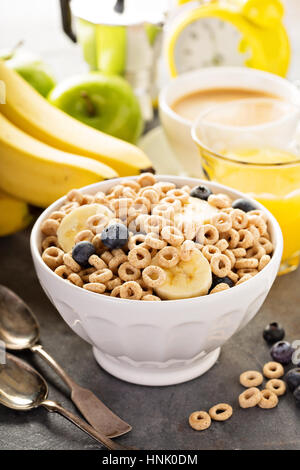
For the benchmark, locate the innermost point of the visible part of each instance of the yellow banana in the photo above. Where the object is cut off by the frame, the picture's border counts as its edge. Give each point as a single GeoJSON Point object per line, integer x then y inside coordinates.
{"type": "Point", "coordinates": [29, 111]}
{"type": "Point", "coordinates": [39, 174]}
{"type": "Point", "coordinates": [14, 214]}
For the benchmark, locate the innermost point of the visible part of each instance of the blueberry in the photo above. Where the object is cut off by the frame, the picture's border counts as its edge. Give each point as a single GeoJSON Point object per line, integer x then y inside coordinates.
{"type": "Point", "coordinates": [201, 192]}
{"type": "Point", "coordinates": [82, 251]}
{"type": "Point", "coordinates": [218, 280]}
{"type": "Point", "coordinates": [282, 352]}
{"type": "Point", "coordinates": [273, 333]}
{"type": "Point", "coordinates": [244, 204]}
{"type": "Point", "coordinates": [297, 395]}
{"type": "Point", "coordinates": [115, 236]}
{"type": "Point", "coordinates": [292, 378]}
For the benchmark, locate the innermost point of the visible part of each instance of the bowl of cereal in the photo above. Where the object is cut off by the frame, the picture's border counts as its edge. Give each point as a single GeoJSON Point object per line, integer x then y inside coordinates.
{"type": "Point", "coordinates": [156, 272]}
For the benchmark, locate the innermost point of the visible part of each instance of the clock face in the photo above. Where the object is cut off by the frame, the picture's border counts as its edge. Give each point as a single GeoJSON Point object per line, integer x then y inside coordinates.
{"type": "Point", "coordinates": [209, 42]}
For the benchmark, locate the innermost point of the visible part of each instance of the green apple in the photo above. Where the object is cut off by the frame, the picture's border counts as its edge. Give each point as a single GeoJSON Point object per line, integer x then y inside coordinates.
{"type": "Point", "coordinates": [31, 68]}
{"type": "Point", "coordinates": [105, 102]}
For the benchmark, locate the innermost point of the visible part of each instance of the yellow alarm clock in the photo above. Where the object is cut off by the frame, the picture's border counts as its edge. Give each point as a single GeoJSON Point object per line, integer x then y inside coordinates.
{"type": "Point", "coordinates": [228, 32]}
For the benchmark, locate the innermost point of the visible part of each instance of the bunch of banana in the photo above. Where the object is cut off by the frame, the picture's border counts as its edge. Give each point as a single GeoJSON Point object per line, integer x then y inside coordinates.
{"type": "Point", "coordinates": [14, 214]}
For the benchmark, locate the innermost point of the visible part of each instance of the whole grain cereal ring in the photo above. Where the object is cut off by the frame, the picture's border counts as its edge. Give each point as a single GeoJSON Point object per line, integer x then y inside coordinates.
{"type": "Point", "coordinates": [151, 194]}
{"type": "Point", "coordinates": [97, 242]}
{"type": "Point", "coordinates": [264, 260]}
{"type": "Point", "coordinates": [268, 400]}
{"type": "Point", "coordinates": [239, 219]}
{"type": "Point", "coordinates": [150, 297]}
{"type": "Point", "coordinates": [210, 250]}
{"type": "Point", "coordinates": [220, 265]}
{"type": "Point", "coordinates": [220, 412]}
{"type": "Point", "coordinates": [101, 275]}
{"type": "Point", "coordinates": [136, 240]}
{"type": "Point", "coordinates": [222, 245]}
{"type": "Point", "coordinates": [255, 233]}
{"type": "Point", "coordinates": [250, 397]}
{"type": "Point", "coordinates": [53, 257]}
{"type": "Point", "coordinates": [220, 201]}
{"type": "Point", "coordinates": [187, 250]}
{"type": "Point", "coordinates": [246, 239]}
{"type": "Point", "coordinates": [222, 222]}
{"type": "Point", "coordinates": [153, 240]}
{"type": "Point", "coordinates": [172, 201]}
{"type": "Point", "coordinates": [116, 292]}
{"type": "Point", "coordinates": [127, 272]}
{"type": "Point", "coordinates": [139, 257]}
{"type": "Point", "coordinates": [257, 251]}
{"type": "Point", "coordinates": [131, 184]}
{"type": "Point", "coordinates": [146, 289]}
{"type": "Point", "coordinates": [273, 370]}
{"type": "Point", "coordinates": [96, 223]}
{"type": "Point", "coordinates": [114, 282]}
{"type": "Point", "coordinates": [232, 237]}
{"type": "Point", "coordinates": [164, 210]}
{"type": "Point", "coordinates": [71, 263]}
{"type": "Point", "coordinates": [74, 196]}
{"type": "Point", "coordinates": [69, 207]}
{"type": "Point", "coordinates": [153, 276]}
{"type": "Point", "coordinates": [97, 262]}
{"type": "Point", "coordinates": [75, 279]}
{"type": "Point", "coordinates": [182, 196]}
{"type": "Point", "coordinates": [130, 193]}
{"type": "Point", "coordinates": [231, 256]}
{"type": "Point", "coordinates": [258, 222]}
{"type": "Point", "coordinates": [219, 288]}
{"type": "Point", "coordinates": [199, 420]}
{"type": "Point", "coordinates": [188, 228]}
{"type": "Point", "coordinates": [259, 213]}
{"type": "Point", "coordinates": [87, 199]}
{"type": "Point", "coordinates": [131, 290]}
{"type": "Point", "coordinates": [164, 186]}
{"type": "Point", "coordinates": [140, 205]}
{"type": "Point", "coordinates": [168, 257]}
{"type": "Point", "coordinates": [106, 256]}
{"type": "Point", "coordinates": [266, 244]}
{"type": "Point", "coordinates": [96, 287]}
{"type": "Point", "coordinates": [85, 274]}
{"type": "Point", "coordinates": [207, 234]}
{"type": "Point", "coordinates": [172, 235]}
{"type": "Point", "coordinates": [276, 386]}
{"type": "Point", "coordinates": [146, 179]}
{"type": "Point", "coordinates": [63, 271]}
{"type": "Point", "coordinates": [244, 278]}
{"type": "Point", "coordinates": [51, 240]}
{"type": "Point", "coordinates": [84, 235]}
{"type": "Point", "coordinates": [242, 263]}
{"type": "Point", "coordinates": [57, 215]}
{"type": "Point", "coordinates": [117, 260]}
{"type": "Point", "coordinates": [50, 226]}
{"type": "Point", "coordinates": [233, 276]}
{"type": "Point", "coordinates": [242, 272]}
{"type": "Point", "coordinates": [100, 197]}
{"type": "Point", "coordinates": [251, 378]}
{"type": "Point", "coordinates": [121, 206]}
{"type": "Point", "coordinates": [239, 252]}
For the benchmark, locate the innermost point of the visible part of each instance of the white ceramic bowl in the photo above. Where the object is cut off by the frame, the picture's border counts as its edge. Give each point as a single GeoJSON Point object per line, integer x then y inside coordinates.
{"type": "Point", "coordinates": [156, 343]}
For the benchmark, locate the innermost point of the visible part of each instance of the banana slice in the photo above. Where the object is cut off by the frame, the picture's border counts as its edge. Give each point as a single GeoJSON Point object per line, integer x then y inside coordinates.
{"type": "Point", "coordinates": [187, 279]}
{"type": "Point", "coordinates": [197, 210]}
{"type": "Point", "coordinates": [77, 221]}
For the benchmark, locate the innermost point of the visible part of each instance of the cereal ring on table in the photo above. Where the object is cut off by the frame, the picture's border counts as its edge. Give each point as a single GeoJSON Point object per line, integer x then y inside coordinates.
{"type": "Point", "coordinates": [268, 399]}
{"type": "Point", "coordinates": [131, 290]}
{"type": "Point", "coordinates": [182, 196]}
{"type": "Point", "coordinates": [168, 257]}
{"type": "Point", "coordinates": [276, 386]}
{"type": "Point", "coordinates": [222, 245]}
{"type": "Point", "coordinates": [139, 257]}
{"type": "Point", "coordinates": [244, 278]}
{"type": "Point", "coordinates": [222, 222]}
{"type": "Point", "coordinates": [251, 378]}
{"type": "Point", "coordinates": [85, 274]}
{"type": "Point", "coordinates": [75, 279]}
{"type": "Point", "coordinates": [220, 412]}
{"type": "Point", "coordinates": [101, 275]}
{"type": "Point", "coordinates": [50, 227]}
{"type": "Point", "coordinates": [244, 271]}
{"type": "Point", "coordinates": [136, 240]}
{"type": "Point", "coordinates": [87, 199]}
{"type": "Point", "coordinates": [232, 237]}
{"type": "Point", "coordinates": [97, 262]}
{"type": "Point", "coordinates": [219, 288]}
{"type": "Point", "coordinates": [74, 196]}
{"type": "Point", "coordinates": [150, 297]}
{"type": "Point", "coordinates": [96, 287]}
{"type": "Point", "coordinates": [199, 420]}
{"type": "Point", "coordinates": [172, 201]}
{"type": "Point", "coordinates": [51, 240]}
{"type": "Point", "coordinates": [127, 272]}
{"type": "Point", "coordinates": [96, 223]}
{"type": "Point", "coordinates": [187, 250]}
{"type": "Point", "coordinates": [273, 370]}
{"type": "Point", "coordinates": [239, 252]}
{"type": "Point", "coordinates": [116, 292]}
{"type": "Point", "coordinates": [151, 194]}
{"type": "Point", "coordinates": [246, 239]}
{"type": "Point", "coordinates": [258, 222]}
{"type": "Point", "coordinates": [207, 234]}
{"type": "Point", "coordinates": [264, 260]}
{"type": "Point", "coordinates": [257, 251]}
{"type": "Point", "coordinates": [106, 256]}
{"type": "Point", "coordinates": [233, 276]}
{"type": "Point", "coordinates": [250, 397]}
{"type": "Point", "coordinates": [71, 263]}
{"type": "Point", "coordinates": [117, 260]}
{"type": "Point", "coordinates": [239, 219]}
{"type": "Point", "coordinates": [164, 210]}
{"type": "Point", "coordinates": [84, 236]}
{"type": "Point", "coordinates": [242, 263]}
{"type": "Point", "coordinates": [220, 265]}
{"type": "Point", "coordinates": [131, 184]}
{"type": "Point", "coordinates": [114, 282]}
{"type": "Point", "coordinates": [172, 235]}
{"type": "Point", "coordinates": [53, 257]}
{"type": "Point", "coordinates": [69, 207]}
{"type": "Point", "coordinates": [154, 276]}
{"type": "Point", "coordinates": [146, 179]}
{"type": "Point", "coordinates": [210, 250]}
{"type": "Point", "coordinates": [164, 186]}
{"type": "Point", "coordinates": [154, 241]}
{"type": "Point", "coordinates": [267, 245]}
{"type": "Point", "coordinates": [231, 256]}
{"type": "Point", "coordinates": [220, 201]}
{"type": "Point", "coordinates": [63, 271]}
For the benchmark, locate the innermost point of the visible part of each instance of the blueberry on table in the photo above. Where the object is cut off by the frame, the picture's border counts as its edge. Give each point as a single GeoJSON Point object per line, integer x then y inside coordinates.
{"type": "Point", "coordinates": [82, 251]}
{"type": "Point", "coordinates": [244, 205]}
{"type": "Point", "coordinates": [297, 395]}
{"type": "Point", "coordinates": [292, 378]}
{"type": "Point", "coordinates": [282, 352]}
{"type": "Point", "coordinates": [273, 333]}
{"type": "Point", "coordinates": [201, 192]}
{"type": "Point", "coordinates": [219, 280]}
{"type": "Point", "coordinates": [115, 236]}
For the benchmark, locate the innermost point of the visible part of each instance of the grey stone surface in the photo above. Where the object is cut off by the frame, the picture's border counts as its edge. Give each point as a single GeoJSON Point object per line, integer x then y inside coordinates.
{"type": "Point", "coordinates": [158, 415]}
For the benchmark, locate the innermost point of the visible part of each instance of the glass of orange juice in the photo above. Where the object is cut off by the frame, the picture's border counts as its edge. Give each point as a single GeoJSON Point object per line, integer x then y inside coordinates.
{"type": "Point", "coordinates": [256, 153]}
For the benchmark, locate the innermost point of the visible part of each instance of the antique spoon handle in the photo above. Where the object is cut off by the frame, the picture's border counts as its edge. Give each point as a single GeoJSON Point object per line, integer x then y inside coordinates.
{"type": "Point", "coordinates": [94, 411]}
{"type": "Point", "coordinates": [98, 436]}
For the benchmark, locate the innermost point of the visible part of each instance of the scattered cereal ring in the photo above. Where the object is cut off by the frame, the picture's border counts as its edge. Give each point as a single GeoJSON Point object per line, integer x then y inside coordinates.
{"type": "Point", "coordinates": [75, 279]}
{"type": "Point", "coordinates": [84, 235]}
{"type": "Point", "coordinates": [95, 287]}
{"type": "Point", "coordinates": [131, 290]}
{"type": "Point", "coordinates": [150, 194]}
{"type": "Point", "coordinates": [219, 288]}
{"type": "Point", "coordinates": [232, 237]}
{"type": "Point", "coordinates": [71, 263]}
{"type": "Point", "coordinates": [257, 251]}
{"type": "Point", "coordinates": [207, 234]}
{"type": "Point", "coordinates": [106, 256]}
{"type": "Point", "coordinates": [258, 222]}
{"type": "Point", "coordinates": [127, 272]}
{"type": "Point", "coordinates": [182, 196]}
{"type": "Point", "coordinates": [266, 244]}
{"type": "Point", "coordinates": [63, 271]}
{"type": "Point", "coordinates": [164, 210]}
{"type": "Point", "coordinates": [273, 370]}
{"type": "Point", "coordinates": [139, 257]}
{"type": "Point", "coordinates": [220, 201]}
{"type": "Point", "coordinates": [146, 179]}
{"type": "Point", "coordinates": [276, 386]}
{"type": "Point", "coordinates": [220, 265]}
{"type": "Point", "coordinates": [85, 274]}
{"type": "Point", "coordinates": [53, 257]}
{"type": "Point", "coordinates": [97, 262]}
{"type": "Point", "coordinates": [117, 260]}
{"type": "Point", "coordinates": [101, 275]}
{"type": "Point", "coordinates": [210, 250]}
{"type": "Point", "coordinates": [222, 222]}
{"type": "Point", "coordinates": [74, 196]}
{"type": "Point", "coordinates": [250, 397]}
{"type": "Point", "coordinates": [69, 207]}
{"type": "Point", "coordinates": [239, 252]}
{"type": "Point", "coordinates": [164, 186]}
{"type": "Point", "coordinates": [173, 201]}
{"type": "Point", "coordinates": [153, 276]}
{"type": "Point", "coordinates": [222, 245]}
{"type": "Point", "coordinates": [168, 257]}
{"type": "Point", "coordinates": [96, 223]}
{"type": "Point", "coordinates": [114, 282]}
{"type": "Point", "coordinates": [153, 240]}
{"type": "Point", "coordinates": [264, 260]}
{"type": "Point", "coordinates": [50, 226]}
{"type": "Point", "coordinates": [136, 240]}
{"type": "Point", "coordinates": [220, 412]}
{"type": "Point", "coordinates": [246, 263]}
{"type": "Point", "coordinates": [268, 399]}
{"type": "Point", "coordinates": [246, 239]}
{"type": "Point", "coordinates": [239, 219]}
{"type": "Point", "coordinates": [172, 235]}
{"type": "Point", "coordinates": [51, 240]}
{"type": "Point", "coordinates": [87, 199]}
{"type": "Point", "coordinates": [199, 420]}
{"type": "Point", "coordinates": [251, 378]}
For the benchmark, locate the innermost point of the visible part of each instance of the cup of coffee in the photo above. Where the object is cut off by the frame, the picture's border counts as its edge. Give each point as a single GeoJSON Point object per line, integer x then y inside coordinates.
{"type": "Point", "coordinates": [190, 94]}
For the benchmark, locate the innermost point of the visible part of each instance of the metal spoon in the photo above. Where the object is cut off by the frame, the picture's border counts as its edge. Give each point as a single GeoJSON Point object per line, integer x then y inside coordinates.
{"type": "Point", "coordinates": [23, 388]}
{"type": "Point", "coordinates": [19, 329]}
